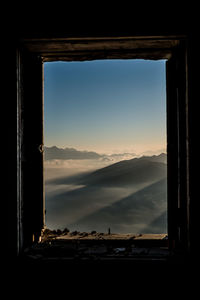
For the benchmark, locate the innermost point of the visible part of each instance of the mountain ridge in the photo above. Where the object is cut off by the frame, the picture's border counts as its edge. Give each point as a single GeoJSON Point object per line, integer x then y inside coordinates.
{"type": "Point", "coordinates": [55, 152]}
{"type": "Point", "coordinates": [127, 196]}
{"type": "Point", "coordinates": [126, 172]}
{"type": "Point", "coordinates": [68, 153]}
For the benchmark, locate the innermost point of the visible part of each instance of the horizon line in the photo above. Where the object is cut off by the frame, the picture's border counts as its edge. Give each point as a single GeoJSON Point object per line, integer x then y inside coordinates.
{"type": "Point", "coordinates": [113, 152]}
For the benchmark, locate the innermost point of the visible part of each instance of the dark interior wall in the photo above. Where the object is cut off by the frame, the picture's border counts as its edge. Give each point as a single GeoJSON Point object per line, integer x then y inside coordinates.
{"type": "Point", "coordinates": [11, 165]}
{"type": "Point", "coordinates": [50, 28]}
{"type": "Point", "coordinates": [193, 140]}
{"type": "Point", "coordinates": [103, 20]}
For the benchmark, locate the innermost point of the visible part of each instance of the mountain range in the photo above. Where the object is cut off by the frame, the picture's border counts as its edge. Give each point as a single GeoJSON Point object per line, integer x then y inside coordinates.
{"type": "Point", "coordinates": [128, 196]}
{"type": "Point", "coordinates": [71, 153]}
{"type": "Point", "coordinates": [134, 171]}
{"type": "Point", "coordinates": [68, 153]}
{"type": "Point", "coordinates": [124, 173]}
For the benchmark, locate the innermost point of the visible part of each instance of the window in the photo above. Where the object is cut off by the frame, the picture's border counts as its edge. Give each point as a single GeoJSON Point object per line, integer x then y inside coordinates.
{"type": "Point", "coordinates": [105, 146]}
{"type": "Point", "coordinates": [30, 121]}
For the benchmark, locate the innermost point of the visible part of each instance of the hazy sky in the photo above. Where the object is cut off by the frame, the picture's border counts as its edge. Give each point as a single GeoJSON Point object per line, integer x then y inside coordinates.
{"type": "Point", "coordinates": [105, 105]}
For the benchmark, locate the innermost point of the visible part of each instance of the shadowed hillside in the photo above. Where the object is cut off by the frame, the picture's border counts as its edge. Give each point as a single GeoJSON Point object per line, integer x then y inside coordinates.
{"type": "Point", "coordinates": [128, 172]}
{"type": "Point", "coordinates": [128, 196]}
{"type": "Point", "coordinates": [135, 171]}
{"type": "Point", "coordinates": [140, 212]}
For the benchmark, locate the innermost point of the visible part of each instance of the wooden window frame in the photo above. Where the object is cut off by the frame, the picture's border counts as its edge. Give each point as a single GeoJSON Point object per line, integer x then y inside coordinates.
{"type": "Point", "coordinates": [31, 53]}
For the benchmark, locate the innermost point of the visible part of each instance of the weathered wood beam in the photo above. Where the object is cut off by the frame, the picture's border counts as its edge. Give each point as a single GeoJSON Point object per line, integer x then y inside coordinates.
{"type": "Point", "coordinates": [49, 47]}
{"type": "Point", "coordinates": [94, 55]}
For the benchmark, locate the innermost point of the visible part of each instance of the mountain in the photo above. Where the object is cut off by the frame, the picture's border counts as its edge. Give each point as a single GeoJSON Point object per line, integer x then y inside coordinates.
{"type": "Point", "coordinates": [144, 211]}
{"type": "Point", "coordinates": [68, 153]}
{"type": "Point", "coordinates": [136, 171]}
{"type": "Point", "coordinates": [162, 158]}
{"type": "Point", "coordinates": [128, 196]}
{"type": "Point", "coordinates": [158, 225]}
{"type": "Point", "coordinates": [128, 172]}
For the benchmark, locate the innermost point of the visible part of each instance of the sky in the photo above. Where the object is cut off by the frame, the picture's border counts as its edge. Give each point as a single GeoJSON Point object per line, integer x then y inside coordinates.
{"type": "Point", "coordinates": [106, 106]}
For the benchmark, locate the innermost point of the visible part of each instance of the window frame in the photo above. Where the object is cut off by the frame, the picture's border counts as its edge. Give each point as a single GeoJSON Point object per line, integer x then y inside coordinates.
{"type": "Point", "coordinates": [30, 55]}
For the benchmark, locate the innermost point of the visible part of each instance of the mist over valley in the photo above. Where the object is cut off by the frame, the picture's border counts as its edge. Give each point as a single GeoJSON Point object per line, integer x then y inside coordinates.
{"type": "Point", "coordinates": [87, 191]}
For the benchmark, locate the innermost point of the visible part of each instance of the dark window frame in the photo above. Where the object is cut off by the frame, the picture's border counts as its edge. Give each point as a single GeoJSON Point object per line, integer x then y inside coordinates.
{"type": "Point", "coordinates": [31, 54]}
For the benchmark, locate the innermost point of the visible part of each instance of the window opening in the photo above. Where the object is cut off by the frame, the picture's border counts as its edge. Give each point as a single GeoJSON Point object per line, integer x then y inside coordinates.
{"type": "Point", "coordinates": [105, 148]}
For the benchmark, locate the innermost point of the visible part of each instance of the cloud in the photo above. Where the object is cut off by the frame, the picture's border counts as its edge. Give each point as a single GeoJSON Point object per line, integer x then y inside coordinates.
{"type": "Point", "coordinates": [56, 168]}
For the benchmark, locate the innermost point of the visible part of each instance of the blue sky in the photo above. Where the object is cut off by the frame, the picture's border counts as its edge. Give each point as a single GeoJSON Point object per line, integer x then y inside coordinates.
{"type": "Point", "coordinates": [106, 106]}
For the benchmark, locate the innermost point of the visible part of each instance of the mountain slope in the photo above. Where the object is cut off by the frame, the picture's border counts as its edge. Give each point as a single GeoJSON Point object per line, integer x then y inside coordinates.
{"type": "Point", "coordinates": [137, 171]}
{"type": "Point", "coordinates": [162, 158]}
{"type": "Point", "coordinates": [127, 172]}
{"type": "Point", "coordinates": [137, 213]}
{"type": "Point", "coordinates": [128, 196]}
